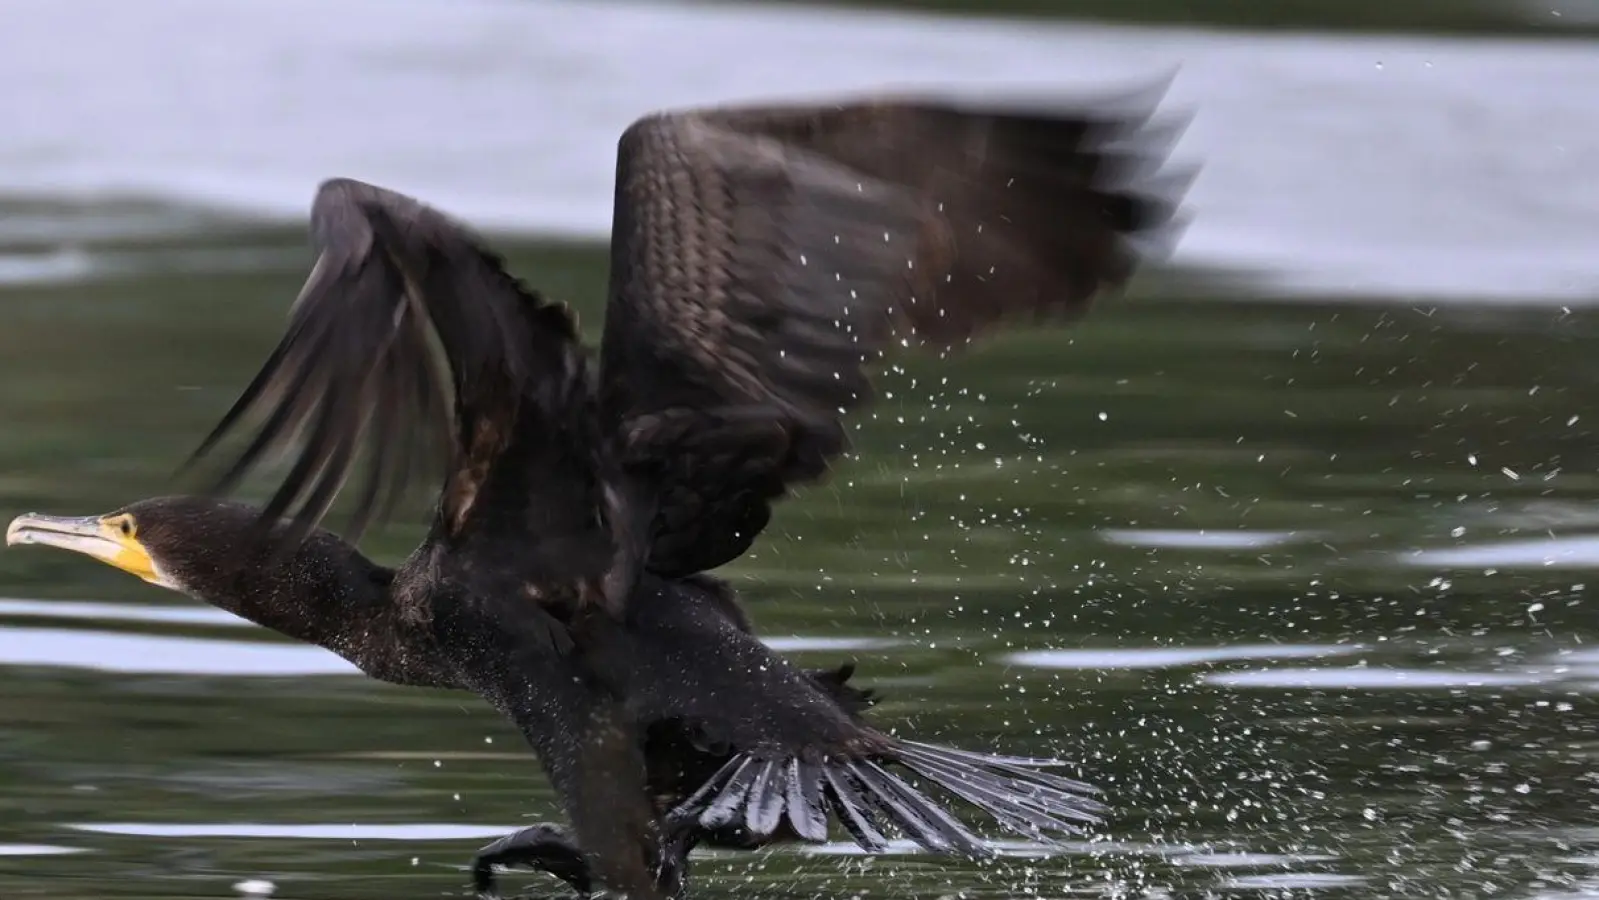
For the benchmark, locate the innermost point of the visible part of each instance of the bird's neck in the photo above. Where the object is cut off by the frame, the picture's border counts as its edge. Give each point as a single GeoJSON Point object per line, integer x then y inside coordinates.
{"type": "Point", "coordinates": [325, 592]}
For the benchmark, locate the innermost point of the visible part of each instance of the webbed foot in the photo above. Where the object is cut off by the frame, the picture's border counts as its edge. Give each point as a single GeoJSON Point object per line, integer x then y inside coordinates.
{"type": "Point", "coordinates": [545, 847]}
{"type": "Point", "coordinates": [671, 859]}
{"type": "Point", "coordinates": [549, 848]}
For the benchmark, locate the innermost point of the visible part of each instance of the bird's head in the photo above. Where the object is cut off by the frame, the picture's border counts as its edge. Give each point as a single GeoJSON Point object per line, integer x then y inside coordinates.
{"type": "Point", "coordinates": [173, 542]}
{"type": "Point", "coordinates": [320, 590]}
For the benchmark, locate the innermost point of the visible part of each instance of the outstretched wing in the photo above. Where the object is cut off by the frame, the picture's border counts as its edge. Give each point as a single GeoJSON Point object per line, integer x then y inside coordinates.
{"type": "Point", "coordinates": [762, 256]}
{"type": "Point", "coordinates": [358, 368]}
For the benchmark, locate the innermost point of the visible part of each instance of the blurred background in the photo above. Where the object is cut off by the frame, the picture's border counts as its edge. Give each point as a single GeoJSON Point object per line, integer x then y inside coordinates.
{"type": "Point", "coordinates": [1288, 550]}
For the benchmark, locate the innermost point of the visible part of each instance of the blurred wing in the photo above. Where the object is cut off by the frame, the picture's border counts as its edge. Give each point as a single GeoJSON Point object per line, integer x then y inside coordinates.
{"type": "Point", "coordinates": [762, 256]}
{"type": "Point", "coordinates": [357, 365]}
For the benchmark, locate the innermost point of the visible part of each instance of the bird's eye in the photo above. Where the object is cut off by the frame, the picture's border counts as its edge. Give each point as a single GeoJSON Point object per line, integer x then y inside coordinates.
{"type": "Point", "coordinates": [126, 527]}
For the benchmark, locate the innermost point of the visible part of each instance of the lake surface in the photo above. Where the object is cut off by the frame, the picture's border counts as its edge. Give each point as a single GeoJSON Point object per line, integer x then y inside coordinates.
{"type": "Point", "coordinates": [1303, 585]}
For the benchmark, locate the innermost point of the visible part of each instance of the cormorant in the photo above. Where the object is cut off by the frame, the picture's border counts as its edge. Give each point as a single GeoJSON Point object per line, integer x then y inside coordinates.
{"type": "Point", "coordinates": [761, 257]}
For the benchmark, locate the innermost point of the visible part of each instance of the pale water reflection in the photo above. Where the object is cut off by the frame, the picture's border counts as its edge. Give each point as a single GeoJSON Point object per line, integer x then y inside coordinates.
{"type": "Point", "coordinates": [152, 654]}
{"type": "Point", "coordinates": [1200, 540]}
{"type": "Point", "coordinates": [1377, 678]}
{"type": "Point", "coordinates": [193, 614]}
{"type": "Point", "coordinates": [417, 831]}
{"type": "Point", "coordinates": [1323, 155]}
{"type": "Point", "coordinates": [1576, 552]}
{"type": "Point", "coordinates": [1162, 657]}
{"type": "Point", "coordinates": [37, 850]}
{"type": "Point", "coordinates": [161, 655]}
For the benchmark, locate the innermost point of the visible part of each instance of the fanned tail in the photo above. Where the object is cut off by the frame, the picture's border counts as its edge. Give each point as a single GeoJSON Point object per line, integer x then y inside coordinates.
{"type": "Point", "coordinates": [760, 795]}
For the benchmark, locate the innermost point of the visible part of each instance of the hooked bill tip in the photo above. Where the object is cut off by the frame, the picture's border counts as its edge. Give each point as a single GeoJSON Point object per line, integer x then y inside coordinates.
{"type": "Point", "coordinates": [17, 531]}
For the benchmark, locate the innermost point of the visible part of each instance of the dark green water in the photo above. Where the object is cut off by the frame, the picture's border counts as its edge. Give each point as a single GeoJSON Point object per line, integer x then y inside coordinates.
{"type": "Point", "coordinates": [1214, 511]}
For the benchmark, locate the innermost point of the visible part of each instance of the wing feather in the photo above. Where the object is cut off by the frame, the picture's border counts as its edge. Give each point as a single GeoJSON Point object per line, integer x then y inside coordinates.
{"type": "Point", "coordinates": [358, 368]}
{"type": "Point", "coordinates": [763, 257]}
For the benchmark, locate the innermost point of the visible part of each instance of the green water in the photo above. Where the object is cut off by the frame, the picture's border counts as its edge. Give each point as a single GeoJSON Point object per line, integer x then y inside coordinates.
{"type": "Point", "coordinates": [1387, 726]}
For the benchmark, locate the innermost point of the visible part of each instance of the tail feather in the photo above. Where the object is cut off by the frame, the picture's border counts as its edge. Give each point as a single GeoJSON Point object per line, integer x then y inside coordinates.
{"type": "Point", "coordinates": [722, 807]}
{"type": "Point", "coordinates": [768, 798]}
{"type": "Point", "coordinates": [1016, 813]}
{"type": "Point", "coordinates": [1042, 790]}
{"type": "Point", "coordinates": [998, 759]}
{"type": "Point", "coordinates": [806, 812]}
{"type": "Point", "coordinates": [914, 813]}
{"type": "Point", "coordinates": [1006, 799]}
{"type": "Point", "coordinates": [863, 795]}
{"type": "Point", "coordinates": [853, 812]}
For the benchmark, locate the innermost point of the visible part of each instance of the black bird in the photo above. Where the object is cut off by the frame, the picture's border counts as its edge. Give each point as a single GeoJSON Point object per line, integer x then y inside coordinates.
{"type": "Point", "coordinates": [761, 258]}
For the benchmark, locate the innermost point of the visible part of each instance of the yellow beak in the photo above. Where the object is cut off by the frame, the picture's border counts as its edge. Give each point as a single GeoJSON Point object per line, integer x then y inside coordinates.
{"type": "Point", "coordinates": [101, 537]}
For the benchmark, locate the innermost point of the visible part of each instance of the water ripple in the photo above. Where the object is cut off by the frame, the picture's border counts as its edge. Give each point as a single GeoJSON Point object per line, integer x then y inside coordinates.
{"type": "Point", "coordinates": [1568, 553]}
{"type": "Point", "coordinates": [1163, 657]}
{"type": "Point", "coordinates": [1294, 881]}
{"type": "Point", "coordinates": [419, 831]}
{"type": "Point", "coordinates": [37, 850]}
{"type": "Point", "coordinates": [145, 654]}
{"type": "Point", "coordinates": [1368, 678]}
{"type": "Point", "coordinates": [1198, 540]}
{"type": "Point", "coordinates": [119, 612]}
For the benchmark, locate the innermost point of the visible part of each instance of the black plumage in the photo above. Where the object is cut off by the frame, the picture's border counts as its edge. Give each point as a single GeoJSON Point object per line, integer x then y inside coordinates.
{"type": "Point", "coordinates": [761, 259]}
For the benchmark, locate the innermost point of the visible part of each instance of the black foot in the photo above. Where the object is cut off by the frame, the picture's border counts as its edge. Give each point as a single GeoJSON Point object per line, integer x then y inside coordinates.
{"type": "Point", "coordinates": [548, 848]}
{"type": "Point", "coordinates": [671, 861]}
{"type": "Point", "coordinates": [545, 847]}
